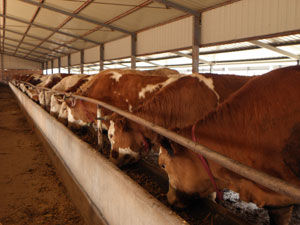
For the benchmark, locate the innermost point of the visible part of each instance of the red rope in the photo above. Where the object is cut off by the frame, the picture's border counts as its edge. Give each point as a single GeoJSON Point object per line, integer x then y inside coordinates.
{"type": "Point", "coordinates": [206, 167]}
{"type": "Point", "coordinates": [146, 144]}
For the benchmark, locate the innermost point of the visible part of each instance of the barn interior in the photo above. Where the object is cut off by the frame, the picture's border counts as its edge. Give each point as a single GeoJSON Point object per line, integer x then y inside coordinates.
{"type": "Point", "coordinates": [51, 174]}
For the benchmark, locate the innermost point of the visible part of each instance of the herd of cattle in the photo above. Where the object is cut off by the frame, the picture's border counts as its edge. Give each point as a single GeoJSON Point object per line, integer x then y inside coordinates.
{"type": "Point", "coordinates": [253, 120]}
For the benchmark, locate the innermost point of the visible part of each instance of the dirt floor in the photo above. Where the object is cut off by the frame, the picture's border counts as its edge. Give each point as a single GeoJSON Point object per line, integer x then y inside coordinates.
{"type": "Point", "coordinates": [30, 191]}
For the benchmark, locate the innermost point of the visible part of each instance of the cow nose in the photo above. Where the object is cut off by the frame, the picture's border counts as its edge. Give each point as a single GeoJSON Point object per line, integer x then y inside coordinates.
{"type": "Point", "coordinates": [114, 154]}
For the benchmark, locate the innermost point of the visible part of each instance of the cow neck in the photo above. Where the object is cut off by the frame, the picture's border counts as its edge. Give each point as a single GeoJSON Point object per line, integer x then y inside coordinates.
{"type": "Point", "coordinates": [207, 168]}
{"type": "Point", "coordinates": [147, 145]}
{"type": "Point", "coordinates": [89, 114]}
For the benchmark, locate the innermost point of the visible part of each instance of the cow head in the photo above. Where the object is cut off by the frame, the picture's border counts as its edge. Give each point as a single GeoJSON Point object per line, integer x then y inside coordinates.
{"type": "Point", "coordinates": [127, 144]}
{"type": "Point", "coordinates": [185, 172]}
{"type": "Point", "coordinates": [55, 104]}
{"type": "Point", "coordinates": [63, 113]}
{"type": "Point", "coordinates": [80, 113]}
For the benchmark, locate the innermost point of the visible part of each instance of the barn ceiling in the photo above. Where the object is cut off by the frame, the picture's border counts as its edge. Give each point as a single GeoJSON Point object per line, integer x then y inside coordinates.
{"type": "Point", "coordinates": [40, 30]}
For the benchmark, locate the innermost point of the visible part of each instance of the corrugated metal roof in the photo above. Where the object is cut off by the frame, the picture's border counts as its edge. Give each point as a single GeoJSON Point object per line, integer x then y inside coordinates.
{"type": "Point", "coordinates": [131, 15]}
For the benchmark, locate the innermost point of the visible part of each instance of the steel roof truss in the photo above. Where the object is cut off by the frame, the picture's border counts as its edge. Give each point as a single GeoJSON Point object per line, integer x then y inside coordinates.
{"type": "Point", "coordinates": [51, 29]}
{"type": "Point", "coordinates": [178, 7]}
{"type": "Point", "coordinates": [73, 15]}
{"type": "Point", "coordinates": [118, 63]}
{"type": "Point", "coordinates": [33, 56]}
{"type": "Point", "coordinates": [274, 49]}
{"type": "Point", "coordinates": [27, 43]}
{"type": "Point", "coordinates": [151, 63]}
{"type": "Point", "coordinates": [42, 53]}
{"type": "Point", "coordinates": [41, 39]}
{"type": "Point", "coordinates": [190, 57]}
{"type": "Point", "coordinates": [27, 58]}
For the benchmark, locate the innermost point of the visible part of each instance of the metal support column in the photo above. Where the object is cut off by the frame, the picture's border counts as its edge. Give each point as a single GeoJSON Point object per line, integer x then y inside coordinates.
{"type": "Point", "coordinates": [133, 51]}
{"type": "Point", "coordinates": [99, 127]}
{"type": "Point", "coordinates": [298, 62]}
{"type": "Point", "coordinates": [101, 57]}
{"type": "Point", "coordinates": [69, 63]}
{"type": "Point", "coordinates": [46, 68]}
{"type": "Point", "coordinates": [82, 61]}
{"type": "Point", "coordinates": [59, 65]}
{"type": "Point", "coordinates": [2, 68]}
{"type": "Point", "coordinates": [42, 67]}
{"type": "Point", "coordinates": [196, 44]}
{"type": "Point", "coordinates": [52, 65]}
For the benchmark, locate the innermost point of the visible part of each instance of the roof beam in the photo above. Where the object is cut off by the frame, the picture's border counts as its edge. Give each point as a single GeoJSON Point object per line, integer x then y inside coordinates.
{"type": "Point", "coordinates": [274, 49]}
{"type": "Point", "coordinates": [27, 43]}
{"type": "Point", "coordinates": [41, 53]}
{"type": "Point", "coordinates": [118, 63]}
{"type": "Point", "coordinates": [21, 57]}
{"type": "Point", "coordinates": [29, 26]}
{"type": "Point", "coordinates": [4, 22]}
{"type": "Point", "coordinates": [124, 14]}
{"type": "Point", "coordinates": [51, 29]}
{"type": "Point", "coordinates": [178, 7]}
{"type": "Point", "coordinates": [190, 57]}
{"type": "Point", "coordinates": [41, 39]}
{"type": "Point", "coordinates": [73, 15]}
{"type": "Point", "coordinates": [151, 63]}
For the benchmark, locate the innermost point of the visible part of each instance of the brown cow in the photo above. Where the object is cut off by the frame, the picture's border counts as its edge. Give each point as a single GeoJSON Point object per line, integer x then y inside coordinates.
{"type": "Point", "coordinates": [45, 96]}
{"type": "Point", "coordinates": [257, 126]}
{"type": "Point", "coordinates": [33, 79]}
{"type": "Point", "coordinates": [177, 105]}
{"type": "Point", "coordinates": [122, 88]}
{"type": "Point", "coordinates": [67, 84]}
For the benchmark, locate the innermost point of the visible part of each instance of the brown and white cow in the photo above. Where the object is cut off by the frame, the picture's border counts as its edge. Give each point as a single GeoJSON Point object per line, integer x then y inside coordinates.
{"type": "Point", "coordinates": [45, 96]}
{"type": "Point", "coordinates": [63, 108]}
{"type": "Point", "coordinates": [33, 79]}
{"type": "Point", "coordinates": [125, 89]}
{"type": "Point", "coordinates": [258, 126]}
{"type": "Point", "coordinates": [179, 104]}
{"type": "Point", "coordinates": [67, 84]}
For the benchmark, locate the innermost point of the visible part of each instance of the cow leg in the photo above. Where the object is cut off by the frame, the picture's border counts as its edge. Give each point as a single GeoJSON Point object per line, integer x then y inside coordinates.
{"type": "Point", "coordinates": [280, 216]}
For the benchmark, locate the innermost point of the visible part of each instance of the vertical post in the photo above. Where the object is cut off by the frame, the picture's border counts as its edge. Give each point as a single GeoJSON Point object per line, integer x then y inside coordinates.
{"type": "Point", "coordinates": [133, 51]}
{"type": "Point", "coordinates": [101, 57]}
{"type": "Point", "coordinates": [196, 44]}
{"type": "Point", "coordinates": [69, 63]}
{"type": "Point", "coordinates": [82, 61]}
{"type": "Point", "coordinates": [47, 68]}
{"type": "Point", "coordinates": [52, 65]}
{"type": "Point", "coordinates": [298, 62]}
{"type": "Point", "coordinates": [59, 64]}
{"type": "Point", "coordinates": [2, 68]}
{"type": "Point", "coordinates": [99, 127]}
{"type": "Point", "coordinates": [42, 67]}
{"type": "Point", "coordinates": [44, 99]}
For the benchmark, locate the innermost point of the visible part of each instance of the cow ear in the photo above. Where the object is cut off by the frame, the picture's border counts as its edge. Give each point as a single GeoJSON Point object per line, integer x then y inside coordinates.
{"type": "Point", "coordinates": [165, 143]}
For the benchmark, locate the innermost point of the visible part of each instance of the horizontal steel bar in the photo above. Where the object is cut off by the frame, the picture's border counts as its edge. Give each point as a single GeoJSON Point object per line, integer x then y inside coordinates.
{"type": "Point", "coordinates": [259, 177]}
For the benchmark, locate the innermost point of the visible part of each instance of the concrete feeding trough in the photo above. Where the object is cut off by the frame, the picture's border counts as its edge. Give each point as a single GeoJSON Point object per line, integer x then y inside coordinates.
{"type": "Point", "coordinates": [103, 193]}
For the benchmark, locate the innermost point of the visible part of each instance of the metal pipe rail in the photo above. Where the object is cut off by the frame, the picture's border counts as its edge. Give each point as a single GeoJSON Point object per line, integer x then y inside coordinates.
{"type": "Point", "coordinates": [273, 183]}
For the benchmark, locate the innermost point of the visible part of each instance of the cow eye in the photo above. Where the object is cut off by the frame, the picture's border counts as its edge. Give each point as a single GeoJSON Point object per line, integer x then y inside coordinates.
{"type": "Point", "coordinates": [163, 166]}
